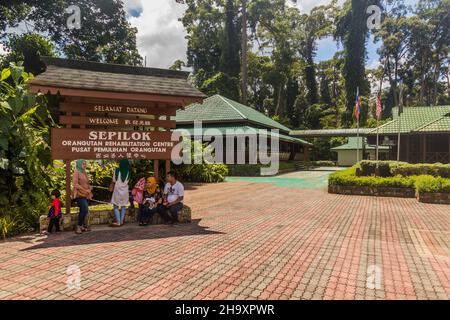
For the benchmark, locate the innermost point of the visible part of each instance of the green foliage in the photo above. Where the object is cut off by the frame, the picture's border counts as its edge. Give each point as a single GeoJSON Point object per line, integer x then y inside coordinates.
{"type": "Point", "coordinates": [424, 178]}
{"type": "Point", "coordinates": [209, 173]}
{"type": "Point", "coordinates": [254, 170]}
{"type": "Point", "coordinates": [348, 178]}
{"type": "Point", "coordinates": [24, 152]}
{"type": "Point", "coordinates": [323, 164]}
{"type": "Point", "coordinates": [244, 170]}
{"type": "Point", "coordinates": [105, 33]}
{"type": "Point", "coordinates": [394, 168]}
{"type": "Point", "coordinates": [322, 148]}
{"type": "Point", "coordinates": [435, 170]}
{"type": "Point", "coordinates": [101, 174]}
{"type": "Point", "coordinates": [221, 83]}
{"type": "Point", "coordinates": [28, 47]}
{"type": "Point", "coordinates": [284, 78]}
{"type": "Point", "coordinates": [204, 172]}
{"type": "Point", "coordinates": [430, 184]}
{"type": "Point", "coordinates": [7, 224]}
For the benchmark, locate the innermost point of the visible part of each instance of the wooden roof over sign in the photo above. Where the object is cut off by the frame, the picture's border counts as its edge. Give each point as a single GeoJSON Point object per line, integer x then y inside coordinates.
{"type": "Point", "coordinates": [70, 77]}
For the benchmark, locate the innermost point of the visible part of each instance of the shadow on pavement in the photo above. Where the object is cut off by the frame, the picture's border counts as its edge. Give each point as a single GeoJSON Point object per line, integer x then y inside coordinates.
{"type": "Point", "coordinates": [131, 232]}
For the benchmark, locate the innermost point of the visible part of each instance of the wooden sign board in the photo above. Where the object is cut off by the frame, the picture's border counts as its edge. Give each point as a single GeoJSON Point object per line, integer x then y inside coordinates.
{"type": "Point", "coordinates": [94, 144]}
{"type": "Point", "coordinates": [116, 122]}
{"type": "Point", "coordinates": [132, 110]}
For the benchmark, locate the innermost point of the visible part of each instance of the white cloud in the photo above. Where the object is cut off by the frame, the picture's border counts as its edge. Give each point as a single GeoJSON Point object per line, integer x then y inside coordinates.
{"type": "Point", "coordinates": [161, 36]}
{"type": "Point", "coordinates": [305, 6]}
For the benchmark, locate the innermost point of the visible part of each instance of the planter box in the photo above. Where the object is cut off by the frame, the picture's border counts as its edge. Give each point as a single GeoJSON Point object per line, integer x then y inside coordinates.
{"type": "Point", "coordinates": [436, 198]}
{"type": "Point", "coordinates": [373, 191]}
{"type": "Point", "coordinates": [69, 222]}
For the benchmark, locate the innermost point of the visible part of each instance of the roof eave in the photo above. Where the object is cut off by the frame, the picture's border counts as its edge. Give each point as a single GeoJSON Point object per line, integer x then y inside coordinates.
{"type": "Point", "coordinates": [115, 95]}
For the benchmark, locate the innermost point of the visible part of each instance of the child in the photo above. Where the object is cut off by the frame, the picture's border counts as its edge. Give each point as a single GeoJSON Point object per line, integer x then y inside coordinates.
{"type": "Point", "coordinates": [54, 214]}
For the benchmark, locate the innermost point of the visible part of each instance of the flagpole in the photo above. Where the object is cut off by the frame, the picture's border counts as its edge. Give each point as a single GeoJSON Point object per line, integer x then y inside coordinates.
{"type": "Point", "coordinates": [357, 127]}
{"type": "Point", "coordinates": [377, 115]}
{"type": "Point", "coordinates": [378, 139]}
{"type": "Point", "coordinates": [398, 144]}
{"type": "Point", "coordinates": [400, 111]}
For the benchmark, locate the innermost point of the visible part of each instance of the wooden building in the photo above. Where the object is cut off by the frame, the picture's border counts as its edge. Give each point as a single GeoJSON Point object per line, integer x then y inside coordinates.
{"type": "Point", "coordinates": [425, 135]}
{"type": "Point", "coordinates": [226, 115]}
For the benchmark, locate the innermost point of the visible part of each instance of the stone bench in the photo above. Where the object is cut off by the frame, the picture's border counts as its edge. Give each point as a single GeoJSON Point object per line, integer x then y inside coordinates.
{"type": "Point", "coordinates": [106, 217]}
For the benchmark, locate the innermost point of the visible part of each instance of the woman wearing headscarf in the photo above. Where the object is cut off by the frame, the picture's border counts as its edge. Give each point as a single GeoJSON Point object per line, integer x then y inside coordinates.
{"type": "Point", "coordinates": [153, 199]}
{"type": "Point", "coordinates": [82, 193]}
{"type": "Point", "coordinates": [120, 197]}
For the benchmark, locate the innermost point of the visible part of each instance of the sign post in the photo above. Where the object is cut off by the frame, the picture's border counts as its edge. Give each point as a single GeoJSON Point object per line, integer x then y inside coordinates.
{"type": "Point", "coordinates": [98, 144]}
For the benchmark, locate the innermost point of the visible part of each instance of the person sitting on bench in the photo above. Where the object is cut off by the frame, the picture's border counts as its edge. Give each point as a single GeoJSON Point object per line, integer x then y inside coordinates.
{"type": "Point", "coordinates": [173, 198]}
{"type": "Point", "coordinates": [152, 202]}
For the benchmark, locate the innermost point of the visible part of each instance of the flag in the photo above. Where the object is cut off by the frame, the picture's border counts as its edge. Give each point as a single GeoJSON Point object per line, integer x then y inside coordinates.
{"type": "Point", "coordinates": [358, 106]}
{"type": "Point", "coordinates": [379, 108]}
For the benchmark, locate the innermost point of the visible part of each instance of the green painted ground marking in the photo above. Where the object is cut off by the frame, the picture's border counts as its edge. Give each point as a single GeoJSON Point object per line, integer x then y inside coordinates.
{"type": "Point", "coordinates": [314, 182]}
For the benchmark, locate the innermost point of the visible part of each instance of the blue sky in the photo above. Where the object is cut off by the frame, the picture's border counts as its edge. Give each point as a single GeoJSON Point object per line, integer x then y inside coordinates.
{"type": "Point", "coordinates": [327, 47]}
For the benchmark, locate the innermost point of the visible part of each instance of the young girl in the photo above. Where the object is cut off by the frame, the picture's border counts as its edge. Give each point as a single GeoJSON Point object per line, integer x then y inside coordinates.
{"type": "Point", "coordinates": [54, 213]}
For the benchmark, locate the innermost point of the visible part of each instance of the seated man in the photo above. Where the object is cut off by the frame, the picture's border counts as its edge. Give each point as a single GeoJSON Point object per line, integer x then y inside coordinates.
{"type": "Point", "coordinates": [173, 198]}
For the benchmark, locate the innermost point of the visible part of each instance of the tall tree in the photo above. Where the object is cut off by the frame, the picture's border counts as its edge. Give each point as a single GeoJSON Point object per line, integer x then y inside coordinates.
{"type": "Point", "coordinates": [394, 35]}
{"type": "Point", "coordinates": [310, 28]}
{"type": "Point", "coordinates": [105, 34]}
{"type": "Point", "coordinates": [352, 31]}
{"type": "Point", "coordinates": [244, 53]}
{"type": "Point", "coordinates": [27, 48]}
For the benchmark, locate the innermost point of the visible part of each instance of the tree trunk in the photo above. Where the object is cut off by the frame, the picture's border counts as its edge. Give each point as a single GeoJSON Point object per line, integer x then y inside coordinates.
{"type": "Point", "coordinates": [244, 64]}
{"type": "Point", "coordinates": [279, 109]}
{"type": "Point", "coordinates": [310, 73]}
{"type": "Point", "coordinates": [422, 81]}
{"type": "Point", "coordinates": [447, 75]}
{"type": "Point", "coordinates": [393, 84]}
{"type": "Point", "coordinates": [437, 67]}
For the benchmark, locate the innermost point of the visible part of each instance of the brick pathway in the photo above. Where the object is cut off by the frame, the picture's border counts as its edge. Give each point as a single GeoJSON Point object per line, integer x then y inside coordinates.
{"type": "Point", "coordinates": [248, 241]}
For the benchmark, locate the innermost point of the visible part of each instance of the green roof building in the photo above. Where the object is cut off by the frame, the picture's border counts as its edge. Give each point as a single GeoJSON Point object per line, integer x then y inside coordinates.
{"type": "Point", "coordinates": [425, 134]}
{"type": "Point", "coordinates": [348, 153]}
{"type": "Point", "coordinates": [234, 119]}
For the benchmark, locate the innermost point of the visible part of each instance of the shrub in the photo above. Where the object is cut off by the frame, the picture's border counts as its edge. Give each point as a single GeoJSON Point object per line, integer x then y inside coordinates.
{"type": "Point", "coordinates": [24, 153]}
{"type": "Point", "coordinates": [368, 167]}
{"type": "Point", "coordinates": [254, 170]}
{"type": "Point", "coordinates": [348, 178]}
{"type": "Point", "coordinates": [244, 170]}
{"type": "Point", "coordinates": [379, 168]}
{"type": "Point", "coordinates": [209, 173]}
{"type": "Point", "coordinates": [430, 184]}
{"type": "Point", "coordinates": [323, 164]}
{"type": "Point", "coordinates": [435, 170]}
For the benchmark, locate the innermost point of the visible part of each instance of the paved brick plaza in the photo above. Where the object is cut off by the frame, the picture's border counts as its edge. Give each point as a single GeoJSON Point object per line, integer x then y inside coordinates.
{"type": "Point", "coordinates": [248, 240]}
